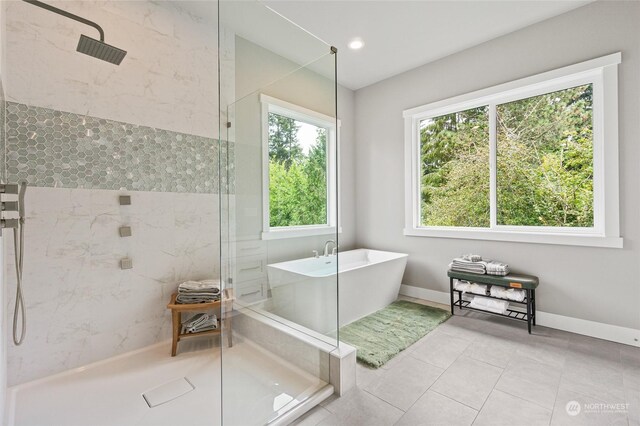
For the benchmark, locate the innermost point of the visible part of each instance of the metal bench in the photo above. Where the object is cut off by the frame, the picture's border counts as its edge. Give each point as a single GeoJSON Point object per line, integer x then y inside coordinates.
{"type": "Point", "coordinates": [528, 283]}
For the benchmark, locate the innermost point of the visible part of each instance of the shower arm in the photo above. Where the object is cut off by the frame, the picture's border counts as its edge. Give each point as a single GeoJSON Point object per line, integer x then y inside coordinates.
{"type": "Point", "coordinates": [67, 15]}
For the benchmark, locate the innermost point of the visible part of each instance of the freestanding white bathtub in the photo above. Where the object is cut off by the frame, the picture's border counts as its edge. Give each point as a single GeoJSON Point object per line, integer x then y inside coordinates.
{"type": "Point", "coordinates": [304, 290]}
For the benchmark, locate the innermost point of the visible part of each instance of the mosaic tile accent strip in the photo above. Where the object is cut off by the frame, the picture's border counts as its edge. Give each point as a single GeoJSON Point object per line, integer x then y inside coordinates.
{"type": "Point", "coordinates": [50, 148]}
{"type": "Point", "coordinates": [2, 134]}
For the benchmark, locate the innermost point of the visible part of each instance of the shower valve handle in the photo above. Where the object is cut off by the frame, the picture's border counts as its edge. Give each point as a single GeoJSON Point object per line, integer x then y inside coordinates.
{"type": "Point", "coordinates": [9, 223]}
{"type": "Point", "coordinates": [10, 206]}
{"type": "Point", "coordinates": [9, 188]}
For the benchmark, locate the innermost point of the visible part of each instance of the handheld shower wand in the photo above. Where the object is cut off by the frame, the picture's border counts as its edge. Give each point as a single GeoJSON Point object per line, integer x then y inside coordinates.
{"type": "Point", "coordinates": [18, 244]}
{"type": "Point", "coordinates": [21, 193]}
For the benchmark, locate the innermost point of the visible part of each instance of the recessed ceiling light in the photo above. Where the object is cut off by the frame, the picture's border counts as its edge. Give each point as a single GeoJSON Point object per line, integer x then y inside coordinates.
{"type": "Point", "coordinates": [356, 44]}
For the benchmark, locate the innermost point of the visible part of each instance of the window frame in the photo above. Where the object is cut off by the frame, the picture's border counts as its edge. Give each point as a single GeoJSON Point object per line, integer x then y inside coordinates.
{"type": "Point", "coordinates": [602, 74]}
{"type": "Point", "coordinates": [277, 106]}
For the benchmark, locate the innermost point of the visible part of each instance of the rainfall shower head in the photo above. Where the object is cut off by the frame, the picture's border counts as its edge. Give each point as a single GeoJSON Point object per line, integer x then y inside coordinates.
{"type": "Point", "coordinates": [87, 45]}
{"type": "Point", "coordinates": [100, 49]}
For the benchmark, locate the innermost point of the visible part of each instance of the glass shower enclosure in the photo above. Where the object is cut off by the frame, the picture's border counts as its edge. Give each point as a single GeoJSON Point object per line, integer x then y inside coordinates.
{"type": "Point", "coordinates": [279, 214]}
{"type": "Point", "coordinates": [210, 151]}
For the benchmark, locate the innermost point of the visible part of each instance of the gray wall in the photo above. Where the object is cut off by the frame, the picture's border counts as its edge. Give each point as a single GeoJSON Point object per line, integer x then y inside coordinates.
{"type": "Point", "coordinates": [595, 284]}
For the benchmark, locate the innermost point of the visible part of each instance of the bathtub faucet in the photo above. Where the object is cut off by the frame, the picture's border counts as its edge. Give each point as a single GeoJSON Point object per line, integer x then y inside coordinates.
{"type": "Point", "coordinates": [326, 247]}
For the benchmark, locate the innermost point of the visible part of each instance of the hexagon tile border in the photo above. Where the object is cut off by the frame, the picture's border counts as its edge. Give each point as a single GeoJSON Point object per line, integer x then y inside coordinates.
{"type": "Point", "coordinates": [50, 148]}
{"type": "Point", "coordinates": [2, 134]}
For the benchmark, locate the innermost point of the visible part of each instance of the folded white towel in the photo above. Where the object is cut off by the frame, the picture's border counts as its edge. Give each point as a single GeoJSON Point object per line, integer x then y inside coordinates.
{"type": "Point", "coordinates": [491, 305]}
{"type": "Point", "coordinates": [508, 293]}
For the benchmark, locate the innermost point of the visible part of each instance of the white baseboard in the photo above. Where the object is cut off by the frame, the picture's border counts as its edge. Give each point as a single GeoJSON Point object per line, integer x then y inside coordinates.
{"type": "Point", "coordinates": [425, 294]}
{"type": "Point", "coordinates": [614, 333]}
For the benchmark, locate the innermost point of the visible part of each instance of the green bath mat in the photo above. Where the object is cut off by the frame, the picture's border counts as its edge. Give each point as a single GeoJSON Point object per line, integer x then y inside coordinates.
{"type": "Point", "coordinates": [382, 335]}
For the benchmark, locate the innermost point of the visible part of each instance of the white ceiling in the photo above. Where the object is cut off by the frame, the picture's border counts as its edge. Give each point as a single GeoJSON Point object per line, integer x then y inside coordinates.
{"type": "Point", "coordinates": [400, 35]}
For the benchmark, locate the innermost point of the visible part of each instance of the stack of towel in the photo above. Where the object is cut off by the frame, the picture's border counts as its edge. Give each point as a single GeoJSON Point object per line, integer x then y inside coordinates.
{"type": "Point", "coordinates": [464, 264]}
{"type": "Point", "coordinates": [473, 263]}
{"type": "Point", "coordinates": [198, 291]}
{"type": "Point", "coordinates": [200, 322]}
{"type": "Point", "coordinates": [497, 268]}
{"type": "Point", "coordinates": [491, 305]}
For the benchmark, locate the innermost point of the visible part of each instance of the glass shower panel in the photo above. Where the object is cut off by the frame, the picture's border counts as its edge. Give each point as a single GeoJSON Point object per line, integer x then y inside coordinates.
{"type": "Point", "coordinates": [279, 128]}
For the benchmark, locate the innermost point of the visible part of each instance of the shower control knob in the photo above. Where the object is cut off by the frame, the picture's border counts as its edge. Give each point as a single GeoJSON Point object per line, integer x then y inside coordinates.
{"type": "Point", "coordinates": [10, 206]}
{"type": "Point", "coordinates": [9, 188]}
{"type": "Point", "coordinates": [9, 223]}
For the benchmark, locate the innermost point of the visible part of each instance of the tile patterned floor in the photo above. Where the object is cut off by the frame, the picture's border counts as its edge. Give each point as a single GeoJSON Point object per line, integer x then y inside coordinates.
{"type": "Point", "coordinates": [485, 370]}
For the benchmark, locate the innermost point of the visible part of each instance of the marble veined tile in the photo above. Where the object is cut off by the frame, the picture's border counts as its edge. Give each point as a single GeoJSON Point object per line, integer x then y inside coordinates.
{"type": "Point", "coordinates": [81, 306]}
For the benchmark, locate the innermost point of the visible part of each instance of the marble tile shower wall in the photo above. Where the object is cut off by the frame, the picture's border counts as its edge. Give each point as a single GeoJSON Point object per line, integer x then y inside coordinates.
{"type": "Point", "coordinates": [50, 148]}
{"type": "Point", "coordinates": [81, 306]}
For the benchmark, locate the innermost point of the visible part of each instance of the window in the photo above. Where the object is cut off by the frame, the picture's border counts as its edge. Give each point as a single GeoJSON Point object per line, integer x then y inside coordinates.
{"type": "Point", "coordinates": [454, 151]}
{"type": "Point", "coordinates": [533, 160]}
{"type": "Point", "coordinates": [299, 158]}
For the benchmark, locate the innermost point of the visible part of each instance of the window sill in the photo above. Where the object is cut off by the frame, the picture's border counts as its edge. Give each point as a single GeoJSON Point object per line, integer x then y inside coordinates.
{"type": "Point", "coordinates": [277, 234]}
{"type": "Point", "coordinates": [586, 240]}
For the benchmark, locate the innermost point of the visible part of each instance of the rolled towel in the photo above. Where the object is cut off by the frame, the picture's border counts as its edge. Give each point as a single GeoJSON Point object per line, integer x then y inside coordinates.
{"type": "Point", "coordinates": [491, 305]}
{"type": "Point", "coordinates": [508, 293]}
{"type": "Point", "coordinates": [478, 289]}
{"type": "Point", "coordinates": [461, 285]}
{"type": "Point", "coordinates": [497, 291]}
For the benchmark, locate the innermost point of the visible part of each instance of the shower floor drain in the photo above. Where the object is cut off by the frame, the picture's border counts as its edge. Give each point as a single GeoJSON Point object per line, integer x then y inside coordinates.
{"type": "Point", "coordinates": [167, 392]}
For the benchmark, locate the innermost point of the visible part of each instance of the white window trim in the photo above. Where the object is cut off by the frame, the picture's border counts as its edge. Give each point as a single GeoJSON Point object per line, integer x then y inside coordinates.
{"type": "Point", "coordinates": [278, 106]}
{"type": "Point", "coordinates": [603, 74]}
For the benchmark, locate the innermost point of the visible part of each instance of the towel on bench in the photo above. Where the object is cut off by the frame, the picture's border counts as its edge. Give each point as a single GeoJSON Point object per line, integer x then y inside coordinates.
{"type": "Point", "coordinates": [491, 305]}
{"type": "Point", "coordinates": [495, 267]}
{"type": "Point", "coordinates": [507, 293]}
